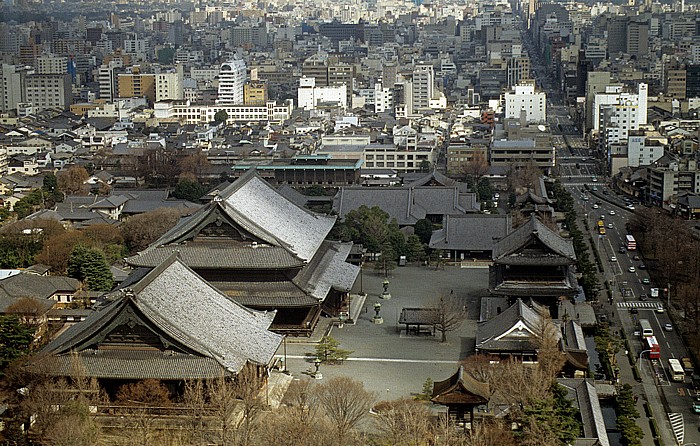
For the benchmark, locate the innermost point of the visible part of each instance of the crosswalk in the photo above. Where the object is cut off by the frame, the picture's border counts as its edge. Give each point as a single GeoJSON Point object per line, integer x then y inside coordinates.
{"type": "Point", "coordinates": [678, 427]}
{"type": "Point", "coordinates": [639, 304]}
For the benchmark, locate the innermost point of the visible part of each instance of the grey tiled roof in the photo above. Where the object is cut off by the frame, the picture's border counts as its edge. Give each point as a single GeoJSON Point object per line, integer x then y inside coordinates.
{"type": "Point", "coordinates": [188, 311]}
{"type": "Point", "coordinates": [475, 232]}
{"type": "Point", "coordinates": [509, 248]}
{"type": "Point", "coordinates": [328, 270]}
{"type": "Point", "coordinates": [133, 364]}
{"type": "Point", "coordinates": [512, 330]}
{"type": "Point", "coordinates": [31, 285]}
{"type": "Point", "coordinates": [567, 286]}
{"type": "Point", "coordinates": [219, 256]}
{"type": "Point", "coordinates": [406, 204]}
{"type": "Point", "coordinates": [269, 211]}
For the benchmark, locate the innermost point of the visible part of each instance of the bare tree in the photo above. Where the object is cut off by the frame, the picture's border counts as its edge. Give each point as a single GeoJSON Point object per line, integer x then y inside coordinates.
{"type": "Point", "coordinates": [449, 314]}
{"type": "Point", "coordinates": [477, 166]}
{"type": "Point", "coordinates": [403, 422]}
{"type": "Point", "coordinates": [72, 181]}
{"type": "Point", "coordinates": [246, 388]}
{"type": "Point", "coordinates": [346, 402]}
{"type": "Point", "coordinates": [489, 433]}
{"type": "Point", "coordinates": [550, 357]}
{"type": "Point", "coordinates": [485, 369]}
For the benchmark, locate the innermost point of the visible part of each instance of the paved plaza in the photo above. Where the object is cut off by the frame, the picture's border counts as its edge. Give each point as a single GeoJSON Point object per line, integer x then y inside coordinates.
{"type": "Point", "coordinates": [385, 359]}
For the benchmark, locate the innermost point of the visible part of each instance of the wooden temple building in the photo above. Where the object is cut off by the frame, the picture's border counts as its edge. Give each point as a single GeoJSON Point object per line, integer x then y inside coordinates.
{"type": "Point", "coordinates": [461, 393]}
{"type": "Point", "coordinates": [534, 261]}
{"type": "Point", "coordinates": [169, 325]}
{"type": "Point", "coordinates": [263, 251]}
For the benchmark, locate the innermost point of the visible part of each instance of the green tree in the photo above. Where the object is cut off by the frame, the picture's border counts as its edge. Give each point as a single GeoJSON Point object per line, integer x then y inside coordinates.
{"type": "Point", "coordinates": [416, 249]}
{"type": "Point", "coordinates": [484, 189]}
{"type": "Point", "coordinates": [50, 183]}
{"type": "Point", "coordinates": [328, 350]}
{"type": "Point", "coordinates": [15, 340]}
{"type": "Point", "coordinates": [189, 190]}
{"type": "Point", "coordinates": [28, 204]}
{"type": "Point", "coordinates": [221, 116]}
{"type": "Point", "coordinates": [90, 265]}
{"type": "Point", "coordinates": [424, 230]}
{"type": "Point", "coordinates": [166, 56]}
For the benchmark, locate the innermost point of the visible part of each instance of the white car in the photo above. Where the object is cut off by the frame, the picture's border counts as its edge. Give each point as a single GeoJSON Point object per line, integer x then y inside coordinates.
{"type": "Point", "coordinates": [668, 327]}
{"type": "Point", "coordinates": [631, 269]}
{"type": "Point", "coordinates": [610, 226]}
{"type": "Point", "coordinates": [630, 207]}
{"type": "Point", "coordinates": [612, 212]}
{"type": "Point", "coordinates": [595, 206]}
{"type": "Point", "coordinates": [613, 259]}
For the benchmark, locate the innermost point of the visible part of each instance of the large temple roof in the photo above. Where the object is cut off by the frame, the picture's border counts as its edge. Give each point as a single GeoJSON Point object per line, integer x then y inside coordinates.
{"type": "Point", "coordinates": [552, 249]}
{"type": "Point", "coordinates": [199, 330]}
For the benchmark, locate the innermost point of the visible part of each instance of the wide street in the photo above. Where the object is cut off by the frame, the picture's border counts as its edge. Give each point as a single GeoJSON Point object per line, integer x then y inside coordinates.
{"type": "Point", "coordinates": [385, 359]}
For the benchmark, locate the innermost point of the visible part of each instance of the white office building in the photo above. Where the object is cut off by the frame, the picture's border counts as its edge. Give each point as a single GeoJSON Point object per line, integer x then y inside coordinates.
{"type": "Point", "coordinates": [524, 98]}
{"type": "Point", "coordinates": [309, 96]}
{"type": "Point", "coordinates": [423, 87]}
{"type": "Point", "coordinates": [170, 85]}
{"type": "Point", "coordinates": [232, 77]}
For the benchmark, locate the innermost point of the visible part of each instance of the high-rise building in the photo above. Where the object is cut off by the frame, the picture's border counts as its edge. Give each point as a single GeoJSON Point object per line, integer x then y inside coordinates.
{"type": "Point", "coordinates": [137, 84]}
{"type": "Point", "coordinates": [51, 64]}
{"type": "Point", "coordinates": [638, 37]}
{"type": "Point", "coordinates": [12, 86]}
{"type": "Point", "coordinates": [423, 86]}
{"type": "Point", "coordinates": [692, 81]}
{"type": "Point", "coordinates": [107, 79]}
{"type": "Point", "coordinates": [617, 34]}
{"type": "Point", "coordinates": [169, 85]}
{"type": "Point", "coordinates": [232, 77]}
{"type": "Point", "coordinates": [49, 90]}
{"type": "Point", "coordinates": [255, 93]}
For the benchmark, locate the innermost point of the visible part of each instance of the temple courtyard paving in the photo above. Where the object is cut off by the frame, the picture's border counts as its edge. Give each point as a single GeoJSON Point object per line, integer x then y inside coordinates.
{"type": "Point", "coordinates": [384, 358]}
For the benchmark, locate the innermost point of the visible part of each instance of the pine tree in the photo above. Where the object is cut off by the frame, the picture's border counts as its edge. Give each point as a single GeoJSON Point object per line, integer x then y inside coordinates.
{"type": "Point", "coordinates": [90, 265]}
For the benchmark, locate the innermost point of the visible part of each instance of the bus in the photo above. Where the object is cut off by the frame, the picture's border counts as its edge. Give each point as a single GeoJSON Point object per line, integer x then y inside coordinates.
{"type": "Point", "coordinates": [675, 370]}
{"type": "Point", "coordinates": [630, 242]}
{"type": "Point", "coordinates": [645, 329]}
{"type": "Point", "coordinates": [653, 347]}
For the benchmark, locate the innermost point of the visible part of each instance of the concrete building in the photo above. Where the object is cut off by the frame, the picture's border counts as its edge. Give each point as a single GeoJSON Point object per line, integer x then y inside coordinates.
{"type": "Point", "coordinates": [12, 86]}
{"type": "Point", "coordinates": [525, 99]}
{"type": "Point", "coordinates": [232, 77]}
{"type": "Point", "coordinates": [48, 90]}
{"type": "Point", "coordinates": [169, 85]}
{"type": "Point", "coordinates": [423, 86]}
{"type": "Point", "coordinates": [309, 96]}
{"type": "Point", "coordinates": [107, 79]}
{"type": "Point", "coordinates": [137, 84]}
{"type": "Point", "coordinates": [51, 64]}
{"type": "Point", "coordinates": [255, 93]}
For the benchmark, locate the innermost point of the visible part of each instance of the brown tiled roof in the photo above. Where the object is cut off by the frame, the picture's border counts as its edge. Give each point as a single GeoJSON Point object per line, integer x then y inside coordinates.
{"type": "Point", "coordinates": [460, 388]}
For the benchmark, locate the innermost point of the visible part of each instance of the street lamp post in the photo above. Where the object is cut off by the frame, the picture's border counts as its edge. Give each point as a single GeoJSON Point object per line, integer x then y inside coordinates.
{"type": "Point", "coordinates": [641, 353]}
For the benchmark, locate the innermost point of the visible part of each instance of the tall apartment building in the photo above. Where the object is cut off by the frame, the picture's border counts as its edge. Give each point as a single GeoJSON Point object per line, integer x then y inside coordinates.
{"type": "Point", "coordinates": [692, 81]}
{"type": "Point", "coordinates": [48, 90]}
{"type": "Point", "coordinates": [524, 98]}
{"type": "Point", "coordinates": [136, 84]}
{"type": "Point", "coordinates": [107, 79]}
{"type": "Point", "coordinates": [423, 86]}
{"type": "Point", "coordinates": [676, 83]}
{"type": "Point", "coordinates": [51, 64]}
{"type": "Point", "coordinates": [169, 85]}
{"type": "Point", "coordinates": [596, 82]}
{"type": "Point", "coordinates": [12, 86]}
{"type": "Point", "coordinates": [232, 77]}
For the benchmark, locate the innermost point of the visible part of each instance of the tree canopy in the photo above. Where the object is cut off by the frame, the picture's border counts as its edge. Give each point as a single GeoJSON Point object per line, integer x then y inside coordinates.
{"type": "Point", "coordinates": [15, 340]}
{"type": "Point", "coordinates": [90, 266]}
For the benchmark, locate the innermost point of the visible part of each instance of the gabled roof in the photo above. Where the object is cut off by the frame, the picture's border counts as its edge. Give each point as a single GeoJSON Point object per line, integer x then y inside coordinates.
{"type": "Point", "coordinates": [267, 216]}
{"type": "Point", "coordinates": [557, 250]}
{"type": "Point", "coordinates": [436, 177]}
{"type": "Point", "coordinates": [471, 232]}
{"type": "Point", "coordinates": [460, 388]}
{"type": "Point", "coordinates": [198, 325]}
{"type": "Point", "coordinates": [406, 204]}
{"type": "Point", "coordinates": [512, 330]}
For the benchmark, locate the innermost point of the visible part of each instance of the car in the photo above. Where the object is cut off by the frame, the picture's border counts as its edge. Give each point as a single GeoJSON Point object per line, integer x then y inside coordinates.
{"type": "Point", "coordinates": [605, 192]}
{"type": "Point", "coordinates": [632, 269]}
{"type": "Point", "coordinates": [696, 405]}
{"type": "Point", "coordinates": [496, 196]}
{"type": "Point", "coordinates": [660, 309]}
{"type": "Point", "coordinates": [668, 327]}
{"type": "Point", "coordinates": [622, 250]}
{"type": "Point", "coordinates": [611, 212]}
{"type": "Point", "coordinates": [594, 179]}
{"type": "Point", "coordinates": [599, 203]}
{"type": "Point", "coordinates": [643, 296]}
{"type": "Point", "coordinates": [642, 266]}
{"type": "Point", "coordinates": [630, 207]}
{"type": "Point", "coordinates": [585, 198]}
{"type": "Point", "coordinates": [610, 226]}
{"type": "Point", "coordinates": [634, 310]}
{"type": "Point", "coordinates": [595, 206]}
{"type": "Point", "coordinates": [645, 281]}
{"type": "Point", "coordinates": [594, 188]}
{"type": "Point", "coordinates": [613, 259]}
{"type": "Point", "coordinates": [635, 257]}
{"type": "Point", "coordinates": [602, 217]}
